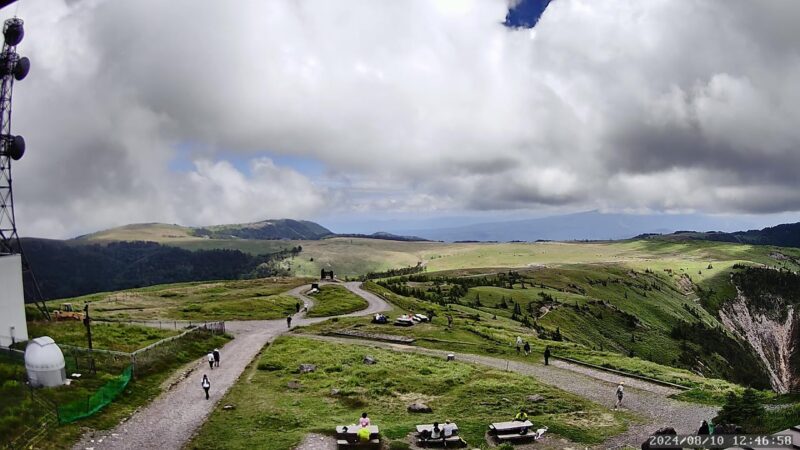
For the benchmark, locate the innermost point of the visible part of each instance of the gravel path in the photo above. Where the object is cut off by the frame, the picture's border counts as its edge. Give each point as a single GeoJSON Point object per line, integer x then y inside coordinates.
{"type": "Point", "coordinates": [647, 400]}
{"type": "Point", "coordinates": [171, 419]}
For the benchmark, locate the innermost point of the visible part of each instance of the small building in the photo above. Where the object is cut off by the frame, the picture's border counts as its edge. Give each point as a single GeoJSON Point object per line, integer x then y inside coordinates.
{"type": "Point", "coordinates": [13, 327]}
{"type": "Point", "coordinates": [45, 363]}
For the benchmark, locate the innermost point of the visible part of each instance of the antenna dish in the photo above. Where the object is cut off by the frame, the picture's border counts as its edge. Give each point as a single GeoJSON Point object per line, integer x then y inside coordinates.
{"type": "Point", "coordinates": [22, 68]}
{"type": "Point", "coordinates": [16, 147]}
{"type": "Point", "coordinates": [14, 32]}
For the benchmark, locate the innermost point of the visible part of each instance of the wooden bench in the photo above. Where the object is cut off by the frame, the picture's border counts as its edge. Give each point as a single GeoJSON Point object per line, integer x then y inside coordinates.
{"type": "Point", "coordinates": [452, 441]}
{"type": "Point", "coordinates": [348, 438]}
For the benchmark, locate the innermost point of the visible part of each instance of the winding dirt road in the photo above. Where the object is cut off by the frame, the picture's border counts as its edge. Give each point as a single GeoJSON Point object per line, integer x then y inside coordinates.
{"type": "Point", "coordinates": [171, 419]}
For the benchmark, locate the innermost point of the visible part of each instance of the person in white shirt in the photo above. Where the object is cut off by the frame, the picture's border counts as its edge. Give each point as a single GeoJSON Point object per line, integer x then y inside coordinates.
{"type": "Point", "coordinates": [436, 432]}
{"type": "Point", "coordinates": [211, 360]}
{"type": "Point", "coordinates": [620, 393]}
{"type": "Point", "coordinates": [447, 429]}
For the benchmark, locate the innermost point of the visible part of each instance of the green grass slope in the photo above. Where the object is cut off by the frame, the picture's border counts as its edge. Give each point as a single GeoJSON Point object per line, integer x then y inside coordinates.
{"type": "Point", "coordinates": [256, 299]}
{"type": "Point", "coordinates": [332, 300]}
{"type": "Point", "coordinates": [481, 331]}
{"type": "Point", "coordinates": [269, 411]}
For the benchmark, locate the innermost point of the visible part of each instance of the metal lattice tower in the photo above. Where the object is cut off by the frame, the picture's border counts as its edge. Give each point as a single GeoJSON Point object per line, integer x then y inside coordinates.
{"type": "Point", "coordinates": [13, 67]}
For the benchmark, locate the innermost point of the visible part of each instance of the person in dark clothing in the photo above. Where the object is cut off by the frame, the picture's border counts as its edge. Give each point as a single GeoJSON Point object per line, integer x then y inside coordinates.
{"type": "Point", "coordinates": [206, 384]}
{"type": "Point", "coordinates": [527, 348]}
{"type": "Point", "coordinates": [216, 357]}
{"type": "Point", "coordinates": [547, 355]}
{"type": "Point", "coordinates": [703, 428]}
{"type": "Point", "coordinates": [449, 321]}
{"type": "Point", "coordinates": [289, 321]}
{"type": "Point", "coordinates": [297, 307]}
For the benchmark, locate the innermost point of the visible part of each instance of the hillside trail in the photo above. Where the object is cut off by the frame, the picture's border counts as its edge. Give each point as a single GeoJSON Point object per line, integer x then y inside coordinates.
{"type": "Point", "coordinates": [647, 400]}
{"type": "Point", "coordinates": [169, 421]}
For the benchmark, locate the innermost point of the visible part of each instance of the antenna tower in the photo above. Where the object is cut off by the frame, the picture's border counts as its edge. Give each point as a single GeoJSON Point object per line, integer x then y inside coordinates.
{"type": "Point", "coordinates": [13, 67]}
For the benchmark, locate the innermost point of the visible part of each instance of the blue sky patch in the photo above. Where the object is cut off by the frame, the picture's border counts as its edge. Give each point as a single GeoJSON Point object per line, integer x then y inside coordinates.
{"type": "Point", "coordinates": [186, 153]}
{"type": "Point", "coordinates": [526, 13]}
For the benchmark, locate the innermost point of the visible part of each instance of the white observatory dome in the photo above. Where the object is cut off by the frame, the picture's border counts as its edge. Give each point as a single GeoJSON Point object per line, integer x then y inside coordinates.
{"type": "Point", "coordinates": [44, 362]}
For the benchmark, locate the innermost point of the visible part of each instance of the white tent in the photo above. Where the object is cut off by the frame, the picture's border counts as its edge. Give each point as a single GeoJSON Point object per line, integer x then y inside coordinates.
{"type": "Point", "coordinates": [44, 363]}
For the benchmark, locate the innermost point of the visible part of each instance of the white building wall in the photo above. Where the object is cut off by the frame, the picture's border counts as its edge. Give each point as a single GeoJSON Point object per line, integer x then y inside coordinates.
{"type": "Point", "coordinates": [12, 301]}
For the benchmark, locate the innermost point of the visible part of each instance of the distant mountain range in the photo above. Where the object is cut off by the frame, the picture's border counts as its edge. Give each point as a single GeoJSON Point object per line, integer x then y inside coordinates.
{"type": "Point", "coordinates": [265, 229]}
{"type": "Point", "coordinates": [785, 235]}
{"type": "Point", "coordinates": [276, 229]}
{"type": "Point", "coordinates": [591, 225]}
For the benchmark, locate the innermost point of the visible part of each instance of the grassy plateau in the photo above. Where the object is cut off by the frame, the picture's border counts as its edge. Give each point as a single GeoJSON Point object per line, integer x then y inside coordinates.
{"type": "Point", "coordinates": [271, 414]}
{"type": "Point", "coordinates": [257, 299]}
{"type": "Point", "coordinates": [332, 300]}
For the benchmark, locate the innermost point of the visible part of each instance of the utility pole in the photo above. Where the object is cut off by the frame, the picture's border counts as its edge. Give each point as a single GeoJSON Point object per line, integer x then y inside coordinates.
{"type": "Point", "coordinates": [88, 323]}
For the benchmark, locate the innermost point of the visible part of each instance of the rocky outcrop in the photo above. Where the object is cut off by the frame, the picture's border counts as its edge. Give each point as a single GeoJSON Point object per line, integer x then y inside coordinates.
{"type": "Point", "coordinates": [774, 336]}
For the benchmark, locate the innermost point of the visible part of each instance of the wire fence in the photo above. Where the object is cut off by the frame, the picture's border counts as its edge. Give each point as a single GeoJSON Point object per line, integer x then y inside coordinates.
{"type": "Point", "coordinates": [79, 409]}
{"type": "Point", "coordinates": [158, 355]}
{"type": "Point", "coordinates": [161, 324]}
{"type": "Point", "coordinates": [26, 415]}
{"type": "Point", "coordinates": [121, 366]}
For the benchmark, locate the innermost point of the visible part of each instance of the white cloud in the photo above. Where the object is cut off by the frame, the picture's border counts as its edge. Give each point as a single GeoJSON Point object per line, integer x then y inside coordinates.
{"type": "Point", "coordinates": [414, 105]}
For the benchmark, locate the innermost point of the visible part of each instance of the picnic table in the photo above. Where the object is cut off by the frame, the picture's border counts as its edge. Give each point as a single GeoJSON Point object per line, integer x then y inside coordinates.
{"type": "Point", "coordinates": [349, 438]}
{"type": "Point", "coordinates": [454, 440]}
{"type": "Point", "coordinates": [512, 430]}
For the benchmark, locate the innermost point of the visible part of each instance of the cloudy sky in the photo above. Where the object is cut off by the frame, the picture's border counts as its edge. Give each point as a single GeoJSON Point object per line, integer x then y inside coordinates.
{"type": "Point", "coordinates": [203, 112]}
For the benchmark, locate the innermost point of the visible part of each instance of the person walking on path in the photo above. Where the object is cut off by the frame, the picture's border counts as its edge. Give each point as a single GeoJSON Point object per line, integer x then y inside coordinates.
{"type": "Point", "coordinates": [216, 357]}
{"type": "Point", "coordinates": [211, 360]}
{"type": "Point", "coordinates": [547, 355]}
{"type": "Point", "coordinates": [704, 429]}
{"type": "Point", "coordinates": [289, 321]}
{"type": "Point", "coordinates": [206, 384]}
{"type": "Point", "coordinates": [527, 348]}
{"type": "Point", "coordinates": [620, 393]}
{"type": "Point", "coordinates": [297, 307]}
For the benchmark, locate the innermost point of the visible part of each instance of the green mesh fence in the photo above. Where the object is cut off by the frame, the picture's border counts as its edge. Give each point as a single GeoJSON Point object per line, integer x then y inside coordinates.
{"type": "Point", "coordinates": [95, 402]}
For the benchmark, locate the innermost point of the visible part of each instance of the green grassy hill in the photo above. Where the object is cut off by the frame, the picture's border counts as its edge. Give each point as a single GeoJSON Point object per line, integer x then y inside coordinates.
{"type": "Point", "coordinates": [155, 232]}
{"type": "Point", "coordinates": [256, 299]}
{"type": "Point", "coordinates": [651, 313]}
{"type": "Point", "coordinates": [655, 299]}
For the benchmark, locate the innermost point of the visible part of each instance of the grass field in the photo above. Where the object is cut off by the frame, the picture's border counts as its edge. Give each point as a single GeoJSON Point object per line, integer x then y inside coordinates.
{"type": "Point", "coordinates": [332, 300]}
{"type": "Point", "coordinates": [106, 336]}
{"type": "Point", "coordinates": [356, 256]}
{"type": "Point", "coordinates": [483, 332]}
{"type": "Point", "coordinates": [154, 232]}
{"type": "Point", "coordinates": [269, 414]}
{"type": "Point", "coordinates": [198, 301]}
